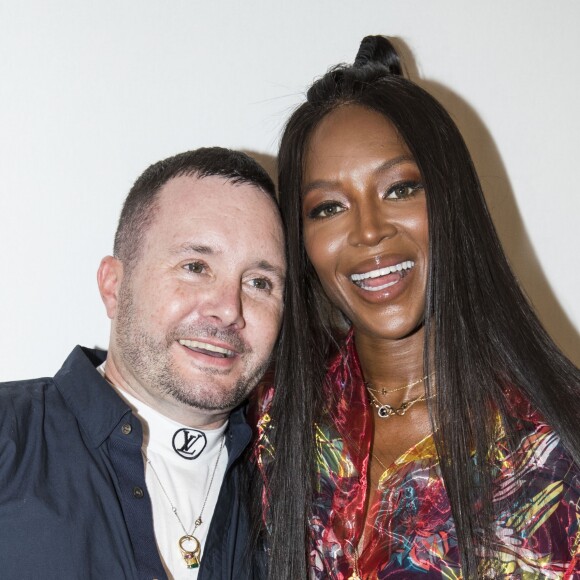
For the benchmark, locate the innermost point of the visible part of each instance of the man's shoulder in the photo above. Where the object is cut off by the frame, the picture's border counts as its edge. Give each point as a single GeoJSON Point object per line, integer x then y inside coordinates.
{"type": "Point", "coordinates": [20, 396]}
{"type": "Point", "coordinates": [24, 402]}
{"type": "Point", "coordinates": [24, 384]}
{"type": "Point", "coordinates": [14, 393]}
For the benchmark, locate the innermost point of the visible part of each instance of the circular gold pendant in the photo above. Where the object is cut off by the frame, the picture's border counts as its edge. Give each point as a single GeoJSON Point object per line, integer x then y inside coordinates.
{"type": "Point", "coordinates": [190, 549]}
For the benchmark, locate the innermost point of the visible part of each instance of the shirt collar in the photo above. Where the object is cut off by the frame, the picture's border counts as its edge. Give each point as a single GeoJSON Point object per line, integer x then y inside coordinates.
{"type": "Point", "coordinates": [99, 409]}
{"type": "Point", "coordinates": [90, 398]}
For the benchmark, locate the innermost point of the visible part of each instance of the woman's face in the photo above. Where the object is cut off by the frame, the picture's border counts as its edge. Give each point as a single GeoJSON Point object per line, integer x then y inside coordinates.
{"type": "Point", "coordinates": [365, 222]}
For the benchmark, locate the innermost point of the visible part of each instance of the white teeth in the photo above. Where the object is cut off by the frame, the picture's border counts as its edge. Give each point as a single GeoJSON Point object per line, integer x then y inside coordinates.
{"type": "Point", "coordinates": [407, 265]}
{"type": "Point", "coordinates": [206, 346]}
{"type": "Point", "coordinates": [377, 288]}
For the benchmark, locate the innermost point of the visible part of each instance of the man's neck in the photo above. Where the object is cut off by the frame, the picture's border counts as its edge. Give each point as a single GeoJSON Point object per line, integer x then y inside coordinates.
{"type": "Point", "coordinates": [117, 375]}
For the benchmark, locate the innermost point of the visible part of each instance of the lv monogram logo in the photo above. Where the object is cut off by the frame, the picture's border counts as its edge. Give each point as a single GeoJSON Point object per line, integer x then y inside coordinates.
{"type": "Point", "coordinates": [189, 443]}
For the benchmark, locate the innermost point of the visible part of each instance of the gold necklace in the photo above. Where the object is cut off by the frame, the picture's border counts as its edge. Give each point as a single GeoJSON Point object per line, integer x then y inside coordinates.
{"type": "Point", "coordinates": [355, 568]}
{"type": "Point", "coordinates": [189, 545]}
{"type": "Point", "coordinates": [380, 462]}
{"type": "Point", "coordinates": [384, 391]}
{"type": "Point", "coordinates": [384, 410]}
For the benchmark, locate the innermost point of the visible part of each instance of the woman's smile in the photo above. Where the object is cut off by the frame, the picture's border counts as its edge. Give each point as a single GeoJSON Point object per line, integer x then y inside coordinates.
{"type": "Point", "coordinates": [365, 222]}
{"type": "Point", "coordinates": [382, 277]}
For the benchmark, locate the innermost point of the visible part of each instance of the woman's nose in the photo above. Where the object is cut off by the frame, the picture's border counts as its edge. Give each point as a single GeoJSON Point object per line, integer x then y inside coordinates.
{"type": "Point", "coordinates": [371, 224]}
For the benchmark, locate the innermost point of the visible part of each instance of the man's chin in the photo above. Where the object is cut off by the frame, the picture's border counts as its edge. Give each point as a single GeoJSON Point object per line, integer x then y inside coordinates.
{"type": "Point", "coordinates": [210, 398]}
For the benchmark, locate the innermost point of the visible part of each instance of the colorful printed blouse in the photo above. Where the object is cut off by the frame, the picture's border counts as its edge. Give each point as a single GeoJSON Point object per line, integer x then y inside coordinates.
{"type": "Point", "coordinates": [414, 533]}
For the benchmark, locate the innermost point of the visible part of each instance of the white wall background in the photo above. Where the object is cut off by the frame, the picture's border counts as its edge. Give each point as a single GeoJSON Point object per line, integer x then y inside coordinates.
{"type": "Point", "coordinates": [91, 93]}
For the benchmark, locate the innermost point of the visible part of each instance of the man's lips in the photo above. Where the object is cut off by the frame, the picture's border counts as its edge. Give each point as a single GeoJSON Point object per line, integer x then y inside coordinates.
{"type": "Point", "coordinates": [207, 348]}
{"type": "Point", "coordinates": [382, 278]}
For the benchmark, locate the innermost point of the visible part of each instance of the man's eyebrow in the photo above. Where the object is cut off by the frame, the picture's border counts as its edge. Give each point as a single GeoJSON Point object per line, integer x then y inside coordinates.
{"type": "Point", "coordinates": [322, 183]}
{"type": "Point", "coordinates": [188, 248]}
{"type": "Point", "coordinates": [265, 265]}
{"type": "Point", "coordinates": [208, 251]}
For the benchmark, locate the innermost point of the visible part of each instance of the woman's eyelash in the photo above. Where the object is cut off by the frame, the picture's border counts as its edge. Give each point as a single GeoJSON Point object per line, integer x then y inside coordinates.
{"type": "Point", "coordinates": [324, 210]}
{"type": "Point", "coordinates": [399, 191]}
{"type": "Point", "coordinates": [403, 190]}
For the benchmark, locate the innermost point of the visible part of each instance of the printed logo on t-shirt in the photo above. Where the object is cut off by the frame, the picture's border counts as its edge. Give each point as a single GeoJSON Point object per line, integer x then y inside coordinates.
{"type": "Point", "coordinates": [189, 443]}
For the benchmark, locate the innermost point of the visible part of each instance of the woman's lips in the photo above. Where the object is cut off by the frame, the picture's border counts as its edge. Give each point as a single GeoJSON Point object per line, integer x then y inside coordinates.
{"type": "Point", "coordinates": [382, 278]}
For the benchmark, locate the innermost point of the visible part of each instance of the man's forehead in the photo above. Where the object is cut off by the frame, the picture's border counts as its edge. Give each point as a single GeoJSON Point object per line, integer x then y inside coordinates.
{"type": "Point", "coordinates": [212, 195]}
{"type": "Point", "coordinates": [210, 214]}
{"type": "Point", "coordinates": [196, 185]}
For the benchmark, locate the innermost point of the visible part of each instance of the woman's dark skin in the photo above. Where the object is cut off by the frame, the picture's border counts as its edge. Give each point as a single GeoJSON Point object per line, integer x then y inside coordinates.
{"type": "Point", "coordinates": [364, 209]}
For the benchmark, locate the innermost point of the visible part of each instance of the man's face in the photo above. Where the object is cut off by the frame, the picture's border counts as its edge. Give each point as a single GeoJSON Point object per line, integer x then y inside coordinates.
{"type": "Point", "coordinates": [198, 315]}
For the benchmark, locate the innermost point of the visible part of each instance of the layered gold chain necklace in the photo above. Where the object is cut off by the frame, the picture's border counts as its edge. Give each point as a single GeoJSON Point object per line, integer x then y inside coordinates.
{"type": "Point", "coordinates": [384, 410]}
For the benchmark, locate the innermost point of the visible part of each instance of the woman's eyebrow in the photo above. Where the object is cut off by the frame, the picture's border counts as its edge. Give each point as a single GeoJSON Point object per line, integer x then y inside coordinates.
{"type": "Point", "coordinates": [393, 162]}
{"type": "Point", "coordinates": [318, 184]}
{"type": "Point", "coordinates": [326, 184]}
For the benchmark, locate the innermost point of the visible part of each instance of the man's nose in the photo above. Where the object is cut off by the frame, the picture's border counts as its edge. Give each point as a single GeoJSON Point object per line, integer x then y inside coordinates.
{"type": "Point", "coordinates": [223, 304]}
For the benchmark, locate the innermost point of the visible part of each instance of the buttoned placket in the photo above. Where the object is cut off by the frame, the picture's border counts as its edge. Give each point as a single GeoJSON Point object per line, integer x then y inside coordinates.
{"type": "Point", "coordinates": [125, 452]}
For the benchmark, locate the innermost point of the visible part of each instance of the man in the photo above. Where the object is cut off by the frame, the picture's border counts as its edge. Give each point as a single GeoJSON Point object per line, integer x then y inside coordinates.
{"type": "Point", "coordinates": [129, 467]}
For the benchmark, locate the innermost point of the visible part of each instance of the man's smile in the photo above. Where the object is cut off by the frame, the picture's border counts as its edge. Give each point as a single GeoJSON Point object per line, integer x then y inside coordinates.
{"type": "Point", "coordinates": [207, 348]}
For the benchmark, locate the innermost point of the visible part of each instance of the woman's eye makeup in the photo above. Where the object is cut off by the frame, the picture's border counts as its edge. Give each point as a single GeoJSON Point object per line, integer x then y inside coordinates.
{"type": "Point", "coordinates": [398, 191]}
{"type": "Point", "coordinates": [403, 190]}
{"type": "Point", "coordinates": [326, 209]}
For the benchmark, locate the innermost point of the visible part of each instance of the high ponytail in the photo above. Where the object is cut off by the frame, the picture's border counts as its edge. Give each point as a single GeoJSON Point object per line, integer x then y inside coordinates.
{"type": "Point", "coordinates": [378, 51]}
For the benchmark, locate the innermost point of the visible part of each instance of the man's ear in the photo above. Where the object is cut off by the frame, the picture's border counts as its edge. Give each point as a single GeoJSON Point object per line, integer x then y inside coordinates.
{"type": "Point", "coordinates": [109, 278]}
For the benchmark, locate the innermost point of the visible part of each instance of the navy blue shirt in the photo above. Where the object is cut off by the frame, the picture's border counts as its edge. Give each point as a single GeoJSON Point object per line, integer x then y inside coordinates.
{"type": "Point", "coordinates": [73, 499]}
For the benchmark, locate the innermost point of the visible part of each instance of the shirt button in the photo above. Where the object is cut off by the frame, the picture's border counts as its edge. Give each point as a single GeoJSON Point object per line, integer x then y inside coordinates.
{"type": "Point", "coordinates": [126, 429]}
{"type": "Point", "coordinates": [138, 492]}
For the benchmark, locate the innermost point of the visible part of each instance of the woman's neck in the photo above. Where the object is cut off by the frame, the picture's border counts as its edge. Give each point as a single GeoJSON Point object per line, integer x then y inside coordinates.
{"type": "Point", "coordinates": [388, 363]}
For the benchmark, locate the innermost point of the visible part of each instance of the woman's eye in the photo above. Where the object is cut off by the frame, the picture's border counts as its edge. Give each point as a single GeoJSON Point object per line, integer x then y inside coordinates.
{"type": "Point", "coordinates": [403, 190]}
{"type": "Point", "coordinates": [325, 210]}
{"type": "Point", "coordinates": [195, 267]}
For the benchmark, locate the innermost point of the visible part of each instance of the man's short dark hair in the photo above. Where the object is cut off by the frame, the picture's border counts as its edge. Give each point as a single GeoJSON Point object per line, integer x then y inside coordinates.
{"type": "Point", "coordinates": [140, 205]}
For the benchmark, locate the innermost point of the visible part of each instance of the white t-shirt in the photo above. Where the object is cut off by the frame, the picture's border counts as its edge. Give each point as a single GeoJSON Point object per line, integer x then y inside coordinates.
{"type": "Point", "coordinates": [184, 460]}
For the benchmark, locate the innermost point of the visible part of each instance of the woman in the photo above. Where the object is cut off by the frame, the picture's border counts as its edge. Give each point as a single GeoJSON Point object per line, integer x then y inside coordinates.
{"type": "Point", "coordinates": [431, 429]}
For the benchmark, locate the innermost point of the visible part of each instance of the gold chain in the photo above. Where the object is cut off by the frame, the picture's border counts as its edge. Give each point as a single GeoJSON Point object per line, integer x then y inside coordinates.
{"type": "Point", "coordinates": [356, 574]}
{"type": "Point", "coordinates": [191, 557]}
{"type": "Point", "coordinates": [384, 410]}
{"type": "Point", "coordinates": [384, 391]}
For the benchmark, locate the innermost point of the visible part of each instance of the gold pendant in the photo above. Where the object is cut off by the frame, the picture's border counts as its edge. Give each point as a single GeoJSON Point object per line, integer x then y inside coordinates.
{"type": "Point", "coordinates": [354, 576]}
{"type": "Point", "coordinates": [190, 556]}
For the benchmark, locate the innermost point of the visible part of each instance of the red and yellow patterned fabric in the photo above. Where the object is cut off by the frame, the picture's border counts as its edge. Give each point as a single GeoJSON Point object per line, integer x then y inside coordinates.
{"type": "Point", "coordinates": [413, 532]}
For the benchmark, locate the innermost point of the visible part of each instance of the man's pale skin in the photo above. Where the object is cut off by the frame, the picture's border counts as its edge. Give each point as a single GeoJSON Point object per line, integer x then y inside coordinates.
{"type": "Point", "coordinates": [194, 321]}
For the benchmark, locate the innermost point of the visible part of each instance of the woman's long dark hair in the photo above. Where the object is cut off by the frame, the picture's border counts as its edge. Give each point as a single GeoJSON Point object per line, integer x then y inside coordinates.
{"type": "Point", "coordinates": [480, 332]}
